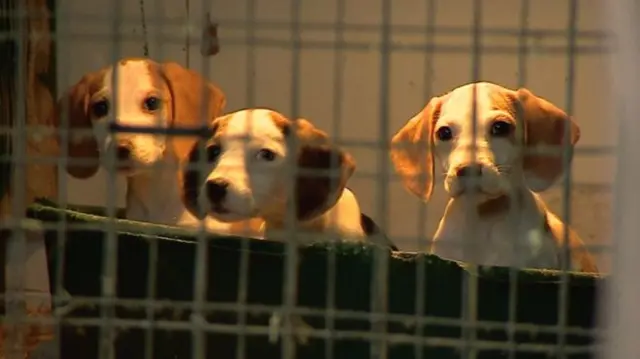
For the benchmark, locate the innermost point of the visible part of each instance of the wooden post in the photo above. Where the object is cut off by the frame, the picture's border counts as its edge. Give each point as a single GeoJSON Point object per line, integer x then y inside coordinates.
{"type": "Point", "coordinates": [26, 277]}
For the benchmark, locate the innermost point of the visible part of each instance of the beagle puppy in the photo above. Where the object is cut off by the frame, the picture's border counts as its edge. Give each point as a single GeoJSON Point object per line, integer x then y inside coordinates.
{"type": "Point", "coordinates": [245, 174]}
{"type": "Point", "coordinates": [494, 216]}
{"type": "Point", "coordinates": [140, 93]}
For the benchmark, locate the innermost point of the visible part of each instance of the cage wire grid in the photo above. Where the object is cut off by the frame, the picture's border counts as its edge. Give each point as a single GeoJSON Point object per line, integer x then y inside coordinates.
{"type": "Point", "coordinates": [379, 316]}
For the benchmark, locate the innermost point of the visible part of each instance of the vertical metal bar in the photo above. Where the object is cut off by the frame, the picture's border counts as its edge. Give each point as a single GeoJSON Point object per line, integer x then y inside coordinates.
{"type": "Point", "coordinates": [187, 37]}
{"type": "Point", "coordinates": [250, 92]}
{"type": "Point", "coordinates": [618, 311]}
{"type": "Point", "coordinates": [291, 268]}
{"type": "Point", "coordinates": [17, 244]}
{"type": "Point", "coordinates": [199, 295]}
{"type": "Point", "coordinates": [251, 54]}
{"type": "Point", "coordinates": [201, 275]}
{"type": "Point", "coordinates": [152, 270]}
{"type": "Point", "coordinates": [152, 266]}
{"type": "Point", "coordinates": [110, 245]}
{"type": "Point", "coordinates": [523, 52]}
{"type": "Point", "coordinates": [143, 22]}
{"type": "Point", "coordinates": [429, 71]}
{"type": "Point", "coordinates": [380, 266]}
{"type": "Point", "coordinates": [470, 282]}
{"type": "Point", "coordinates": [338, 93]}
{"type": "Point", "coordinates": [160, 37]}
{"type": "Point", "coordinates": [563, 294]}
{"type": "Point", "coordinates": [61, 36]}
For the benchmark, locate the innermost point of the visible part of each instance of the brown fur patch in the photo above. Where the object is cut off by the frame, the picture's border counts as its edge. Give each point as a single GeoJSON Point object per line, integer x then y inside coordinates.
{"type": "Point", "coordinates": [545, 124]}
{"type": "Point", "coordinates": [190, 178]}
{"type": "Point", "coordinates": [324, 168]}
{"type": "Point", "coordinates": [75, 104]}
{"type": "Point", "coordinates": [283, 123]}
{"type": "Point", "coordinates": [318, 192]}
{"type": "Point", "coordinates": [371, 229]}
{"type": "Point", "coordinates": [501, 100]}
{"type": "Point", "coordinates": [578, 253]}
{"type": "Point", "coordinates": [513, 135]}
{"type": "Point", "coordinates": [251, 227]}
{"type": "Point", "coordinates": [411, 149]}
{"type": "Point", "coordinates": [218, 128]}
{"type": "Point", "coordinates": [190, 94]}
{"type": "Point", "coordinates": [186, 94]}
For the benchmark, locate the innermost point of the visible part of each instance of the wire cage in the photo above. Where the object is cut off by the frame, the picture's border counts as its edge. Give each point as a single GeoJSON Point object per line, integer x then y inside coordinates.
{"type": "Point", "coordinates": [82, 281]}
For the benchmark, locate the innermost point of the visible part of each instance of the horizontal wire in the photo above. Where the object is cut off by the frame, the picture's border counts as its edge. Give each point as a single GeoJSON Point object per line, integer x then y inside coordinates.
{"type": "Point", "coordinates": [408, 320]}
{"type": "Point", "coordinates": [80, 19]}
{"type": "Point", "coordinates": [396, 46]}
{"type": "Point", "coordinates": [392, 338]}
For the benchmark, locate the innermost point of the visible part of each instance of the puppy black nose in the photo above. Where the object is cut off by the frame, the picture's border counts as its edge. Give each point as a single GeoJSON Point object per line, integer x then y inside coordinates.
{"type": "Point", "coordinates": [123, 153]}
{"type": "Point", "coordinates": [469, 170]}
{"type": "Point", "coordinates": [216, 190]}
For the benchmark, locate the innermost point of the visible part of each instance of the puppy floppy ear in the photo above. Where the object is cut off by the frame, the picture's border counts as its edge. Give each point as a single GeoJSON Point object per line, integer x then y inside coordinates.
{"type": "Point", "coordinates": [330, 168]}
{"type": "Point", "coordinates": [545, 125]}
{"type": "Point", "coordinates": [192, 176]}
{"type": "Point", "coordinates": [191, 181]}
{"type": "Point", "coordinates": [412, 150]}
{"type": "Point", "coordinates": [189, 93]}
{"type": "Point", "coordinates": [75, 104]}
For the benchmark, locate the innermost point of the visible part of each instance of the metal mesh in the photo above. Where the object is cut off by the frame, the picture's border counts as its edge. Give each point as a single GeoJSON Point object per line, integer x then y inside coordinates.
{"type": "Point", "coordinates": [253, 35]}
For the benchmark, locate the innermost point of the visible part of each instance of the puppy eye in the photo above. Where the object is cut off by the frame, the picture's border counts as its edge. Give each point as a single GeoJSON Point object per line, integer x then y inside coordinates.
{"type": "Point", "coordinates": [501, 129]}
{"type": "Point", "coordinates": [266, 155]}
{"type": "Point", "coordinates": [151, 103]}
{"type": "Point", "coordinates": [444, 133]}
{"type": "Point", "coordinates": [100, 108]}
{"type": "Point", "coordinates": [213, 152]}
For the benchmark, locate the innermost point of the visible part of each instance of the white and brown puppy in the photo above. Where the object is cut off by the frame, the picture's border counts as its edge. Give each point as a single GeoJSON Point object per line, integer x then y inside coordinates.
{"type": "Point", "coordinates": [494, 217]}
{"type": "Point", "coordinates": [140, 93]}
{"type": "Point", "coordinates": [246, 175]}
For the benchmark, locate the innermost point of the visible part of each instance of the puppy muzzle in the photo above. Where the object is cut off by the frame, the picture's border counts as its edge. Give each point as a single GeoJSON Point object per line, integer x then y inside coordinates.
{"type": "Point", "coordinates": [122, 152]}
{"type": "Point", "coordinates": [216, 194]}
{"type": "Point", "coordinates": [224, 200]}
{"type": "Point", "coordinates": [472, 178]}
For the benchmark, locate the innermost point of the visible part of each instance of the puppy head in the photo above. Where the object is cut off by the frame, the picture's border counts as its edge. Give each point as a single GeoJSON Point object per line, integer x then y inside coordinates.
{"type": "Point", "coordinates": [488, 154]}
{"type": "Point", "coordinates": [137, 93]}
{"type": "Point", "coordinates": [246, 169]}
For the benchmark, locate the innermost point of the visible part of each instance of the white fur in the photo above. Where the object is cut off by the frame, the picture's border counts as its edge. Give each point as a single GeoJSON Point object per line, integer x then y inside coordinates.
{"type": "Point", "coordinates": [258, 187]}
{"type": "Point", "coordinates": [462, 234]}
{"type": "Point", "coordinates": [501, 170]}
{"type": "Point", "coordinates": [153, 193]}
{"type": "Point", "coordinates": [135, 83]}
{"type": "Point", "coordinates": [515, 237]}
{"type": "Point", "coordinates": [251, 179]}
